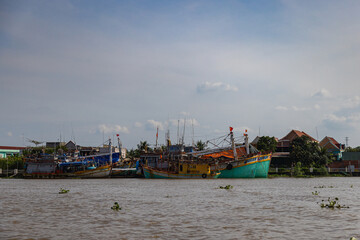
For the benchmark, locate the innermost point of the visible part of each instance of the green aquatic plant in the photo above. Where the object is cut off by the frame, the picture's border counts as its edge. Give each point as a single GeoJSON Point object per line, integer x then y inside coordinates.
{"type": "Point", "coordinates": [353, 238]}
{"type": "Point", "coordinates": [63, 191]}
{"type": "Point", "coordinates": [332, 204]}
{"type": "Point", "coordinates": [116, 207]}
{"type": "Point", "coordinates": [226, 187]}
{"type": "Point", "coordinates": [315, 193]}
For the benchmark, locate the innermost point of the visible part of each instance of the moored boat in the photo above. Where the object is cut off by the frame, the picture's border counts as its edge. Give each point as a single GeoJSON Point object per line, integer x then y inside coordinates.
{"type": "Point", "coordinates": [53, 166]}
{"type": "Point", "coordinates": [185, 171]}
{"type": "Point", "coordinates": [237, 161]}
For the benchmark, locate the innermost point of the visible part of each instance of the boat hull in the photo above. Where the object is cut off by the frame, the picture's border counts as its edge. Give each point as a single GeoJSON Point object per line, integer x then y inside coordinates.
{"type": "Point", "coordinates": [246, 169]}
{"type": "Point", "coordinates": [99, 172]}
{"type": "Point", "coordinates": [153, 173]}
{"type": "Point", "coordinates": [262, 166]}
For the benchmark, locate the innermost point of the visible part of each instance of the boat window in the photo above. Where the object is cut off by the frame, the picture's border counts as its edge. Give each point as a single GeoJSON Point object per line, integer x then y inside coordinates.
{"type": "Point", "coordinates": [181, 168]}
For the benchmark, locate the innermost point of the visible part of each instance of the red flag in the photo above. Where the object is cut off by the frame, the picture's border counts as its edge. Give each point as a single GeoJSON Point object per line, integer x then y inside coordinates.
{"type": "Point", "coordinates": [231, 129]}
{"type": "Point", "coordinates": [117, 135]}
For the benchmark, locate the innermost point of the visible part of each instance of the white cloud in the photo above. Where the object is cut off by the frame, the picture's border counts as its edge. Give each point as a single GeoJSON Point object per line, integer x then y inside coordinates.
{"type": "Point", "coordinates": [180, 122]}
{"type": "Point", "coordinates": [352, 102]}
{"type": "Point", "coordinates": [9, 134]}
{"type": "Point", "coordinates": [138, 124]}
{"type": "Point", "coordinates": [215, 86]}
{"type": "Point", "coordinates": [317, 106]}
{"type": "Point", "coordinates": [323, 93]}
{"type": "Point", "coordinates": [152, 124]}
{"type": "Point", "coordinates": [299, 109]}
{"type": "Point", "coordinates": [185, 113]}
{"type": "Point", "coordinates": [107, 128]}
{"type": "Point", "coordinates": [334, 118]}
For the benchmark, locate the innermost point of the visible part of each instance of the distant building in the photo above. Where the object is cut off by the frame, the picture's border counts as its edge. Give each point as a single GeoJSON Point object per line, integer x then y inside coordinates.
{"type": "Point", "coordinates": [6, 151]}
{"type": "Point", "coordinates": [332, 146]}
{"type": "Point", "coordinates": [285, 142]}
{"type": "Point", "coordinates": [282, 155]}
{"type": "Point", "coordinates": [54, 144]}
{"type": "Point", "coordinates": [71, 146]}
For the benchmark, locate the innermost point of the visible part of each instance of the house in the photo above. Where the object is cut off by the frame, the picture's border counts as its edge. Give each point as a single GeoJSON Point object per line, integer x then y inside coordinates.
{"type": "Point", "coordinates": [6, 151]}
{"type": "Point", "coordinates": [332, 146]}
{"type": "Point", "coordinates": [284, 143]}
{"type": "Point", "coordinates": [281, 157]}
{"type": "Point", "coordinates": [71, 146]}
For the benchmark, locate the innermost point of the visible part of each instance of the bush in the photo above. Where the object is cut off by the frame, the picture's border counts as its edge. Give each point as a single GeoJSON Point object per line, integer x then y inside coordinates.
{"type": "Point", "coordinates": [12, 162]}
{"type": "Point", "coordinates": [298, 172]}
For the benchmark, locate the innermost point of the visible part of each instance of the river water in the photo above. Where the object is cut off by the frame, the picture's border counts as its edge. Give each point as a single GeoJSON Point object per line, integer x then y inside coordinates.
{"type": "Point", "coordinates": [278, 208]}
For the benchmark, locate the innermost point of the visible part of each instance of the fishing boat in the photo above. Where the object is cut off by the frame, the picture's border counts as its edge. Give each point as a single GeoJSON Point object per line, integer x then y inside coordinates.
{"type": "Point", "coordinates": [238, 160]}
{"type": "Point", "coordinates": [55, 166]}
{"type": "Point", "coordinates": [184, 171]}
{"type": "Point", "coordinates": [175, 163]}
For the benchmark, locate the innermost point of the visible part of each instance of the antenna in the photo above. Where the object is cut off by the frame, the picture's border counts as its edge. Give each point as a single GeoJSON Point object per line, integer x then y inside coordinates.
{"type": "Point", "coordinates": [317, 134]}
{"type": "Point", "coordinates": [346, 142]}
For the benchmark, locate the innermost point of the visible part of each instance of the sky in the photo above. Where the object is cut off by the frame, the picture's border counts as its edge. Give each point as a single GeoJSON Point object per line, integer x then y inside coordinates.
{"type": "Point", "coordinates": [88, 70]}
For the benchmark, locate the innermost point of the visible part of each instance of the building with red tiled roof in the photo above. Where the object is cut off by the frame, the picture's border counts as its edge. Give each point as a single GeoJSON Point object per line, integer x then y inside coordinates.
{"type": "Point", "coordinates": [285, 142]}
{"type": "Point", "coordinates": [332, 146]}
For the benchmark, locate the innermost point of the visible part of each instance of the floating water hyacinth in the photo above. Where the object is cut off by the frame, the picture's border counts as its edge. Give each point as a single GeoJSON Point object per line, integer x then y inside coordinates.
{"type": "Point", "coordinates": [116, 207]}
{"type": "Point", "coordinates": [226, 187]}
{"type": "Point", "coordinates": [315, 193]}
{"type": "Point", "coordinates": [332, 204]}
{"type": "Point", "coordinates": [63, 191]}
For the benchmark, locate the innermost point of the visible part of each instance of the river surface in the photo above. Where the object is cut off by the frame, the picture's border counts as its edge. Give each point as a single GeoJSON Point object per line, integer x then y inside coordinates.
{"type": "Point", "coordinates": [278, 208]}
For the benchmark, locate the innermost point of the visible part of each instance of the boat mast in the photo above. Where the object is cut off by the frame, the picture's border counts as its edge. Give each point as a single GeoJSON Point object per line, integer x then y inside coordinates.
{"type": "Point", "coordinates": [120, 146]}
{"type": "Point", "coordinates": [183, 136]}
{"type": "Point", "coordinates": [246, 142]}
{"type": "Point", "coordinates": [157, 136]}
{"type": "Point", "coordinates": [110, 151]}
{"type": "Point", "coordinates": [233, 143]}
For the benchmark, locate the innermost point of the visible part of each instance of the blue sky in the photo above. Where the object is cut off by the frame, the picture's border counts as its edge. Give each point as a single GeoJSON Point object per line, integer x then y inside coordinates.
{"type": "Point", "coordinates": [87, 70]}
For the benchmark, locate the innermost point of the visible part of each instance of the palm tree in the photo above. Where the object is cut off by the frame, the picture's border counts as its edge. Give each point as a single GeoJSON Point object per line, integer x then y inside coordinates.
{"type": "Point", "coordinates": [143, 146]}
{"type": "Point", "coordinates": [200, 145]}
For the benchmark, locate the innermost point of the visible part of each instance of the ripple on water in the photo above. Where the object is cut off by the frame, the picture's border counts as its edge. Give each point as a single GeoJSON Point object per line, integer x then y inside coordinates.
{"type": "Point", "coordinates": [178, 209]}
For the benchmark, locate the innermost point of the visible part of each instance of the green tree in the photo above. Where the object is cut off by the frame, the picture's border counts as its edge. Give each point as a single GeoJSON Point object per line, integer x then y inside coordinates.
{"type": "Point", "coordinates": [350, 149]}
{"type": "Point", "coordinates": [200, 145]}
{"type": "Point", "coordinates": [308, 153]}
{"type": "Point", "coordinates": [266, 144]}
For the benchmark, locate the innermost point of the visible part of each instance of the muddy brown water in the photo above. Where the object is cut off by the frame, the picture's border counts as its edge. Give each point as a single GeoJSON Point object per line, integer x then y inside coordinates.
{"type": "Point", "coordinates": [279, 208]}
